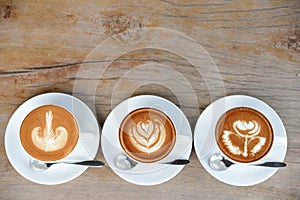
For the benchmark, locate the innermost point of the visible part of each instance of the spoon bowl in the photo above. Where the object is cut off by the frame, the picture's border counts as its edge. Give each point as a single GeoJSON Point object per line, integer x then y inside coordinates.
{"type": "Point", "coordinates": [37, 165]}
{"type": "Point", "coordinates": [216, 162]}
{"type": "Point", "coordinates": [123, 162]}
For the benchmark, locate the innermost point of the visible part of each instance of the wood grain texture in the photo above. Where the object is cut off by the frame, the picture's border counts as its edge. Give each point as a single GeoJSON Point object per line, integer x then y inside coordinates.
{"type": "Point", "coordinates": [255, 44]}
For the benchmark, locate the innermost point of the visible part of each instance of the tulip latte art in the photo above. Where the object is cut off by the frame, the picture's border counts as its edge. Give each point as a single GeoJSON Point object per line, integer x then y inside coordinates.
{"type": "Point", "coordinates": [49, 133]}
{"type": "Point", "coordinates": [47, 138]}
{"type": "Point", "coordinates": [244, 134]}
{"type": "Point", "coordinates": [147, 135]}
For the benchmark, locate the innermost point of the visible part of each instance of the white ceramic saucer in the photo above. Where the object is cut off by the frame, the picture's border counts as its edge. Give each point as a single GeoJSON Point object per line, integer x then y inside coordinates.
{"type": "Point", "coordinates": [146, 174]}
{"type": "Point", "coordinates": [205, 144]}
{"type": "Point", "coordinates": [85, 149]}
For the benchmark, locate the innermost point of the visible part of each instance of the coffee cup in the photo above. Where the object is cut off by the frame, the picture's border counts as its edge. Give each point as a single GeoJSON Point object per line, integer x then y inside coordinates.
{"type": "Point", "coordinates": [147, 135]}
{"type": "Point", "coordinates": [49, 133]}
{"type": "Point", "coordinates": [244, 135]}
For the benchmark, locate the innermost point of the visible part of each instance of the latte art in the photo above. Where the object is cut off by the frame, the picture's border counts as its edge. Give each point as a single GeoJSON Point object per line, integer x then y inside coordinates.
{"type": "Point", "coordinates": [244, 134]}
{"type": "Point", "coordinates": [246, 131]}
{"type": "Point", "coordinates": [48, 139]}
{"type": "Point", "coordinates": [49, 133]}
{"type": "Point", "coordinates": [148, 136]}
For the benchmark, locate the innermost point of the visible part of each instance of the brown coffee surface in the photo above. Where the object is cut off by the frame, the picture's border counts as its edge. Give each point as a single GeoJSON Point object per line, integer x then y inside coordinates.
{"type": "Point", "coordinates": [147, 135]}
{"type": "Point", "coordinates": [49, 133]}
{"type": "Point", "coordinates": [244, 134]}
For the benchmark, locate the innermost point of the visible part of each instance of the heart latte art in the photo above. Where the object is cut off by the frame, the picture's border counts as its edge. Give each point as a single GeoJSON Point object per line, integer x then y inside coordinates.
{"type": "Point", "coordinates": [244, 134]}
{"type": "Point", "coordinates": [49, 133]}
{"type": "Point", "coordinates": [147, 135]}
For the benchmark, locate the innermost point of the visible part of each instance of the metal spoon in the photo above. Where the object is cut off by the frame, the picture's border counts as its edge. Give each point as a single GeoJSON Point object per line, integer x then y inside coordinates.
{"type": "Point", "coordinates": [41, 166]}
{"type": "Point", "coordinates": [123, 162]}
{"type": "Point", "coordinates": [219, 163]}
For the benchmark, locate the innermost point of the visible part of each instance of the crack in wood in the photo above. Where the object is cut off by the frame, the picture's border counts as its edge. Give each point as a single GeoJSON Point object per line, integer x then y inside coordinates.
{"type": "Point", "coordinates": [193, 5]}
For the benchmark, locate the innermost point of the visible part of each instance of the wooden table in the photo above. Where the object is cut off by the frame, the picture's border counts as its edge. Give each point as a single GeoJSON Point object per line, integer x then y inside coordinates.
{"type": "Point", "coordinates": [254, 44]}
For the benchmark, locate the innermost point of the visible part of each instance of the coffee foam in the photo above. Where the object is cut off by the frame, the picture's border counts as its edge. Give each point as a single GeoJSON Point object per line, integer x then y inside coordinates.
{"type": "Point", "coordinates": [244, 134]}
{"type": "Point", "coordinates": [147, 135]}
{"type": "Point", "coordinates": [49, 133]}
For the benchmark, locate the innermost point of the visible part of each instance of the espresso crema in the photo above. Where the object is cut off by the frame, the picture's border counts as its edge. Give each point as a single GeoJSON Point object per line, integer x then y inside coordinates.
{"type": "Point", "coordinates": [244, 134]}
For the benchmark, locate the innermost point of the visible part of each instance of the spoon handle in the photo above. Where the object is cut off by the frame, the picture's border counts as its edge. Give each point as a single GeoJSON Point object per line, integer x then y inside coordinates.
{"type": "Point", "coordinates": [272, 164]}
{"type": "Point", "coordinates": [178, 162]}
{"type": "Point", "coordinates": [90, 163]}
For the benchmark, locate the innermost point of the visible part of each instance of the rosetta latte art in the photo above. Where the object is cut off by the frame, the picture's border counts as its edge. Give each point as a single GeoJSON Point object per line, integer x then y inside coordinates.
{"type": "Point", "coordinates": [246, 131]}
{"type": "Point", "coordinates": [48, 139]}
{"type": "Point", "coordinates": [148, 136]}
